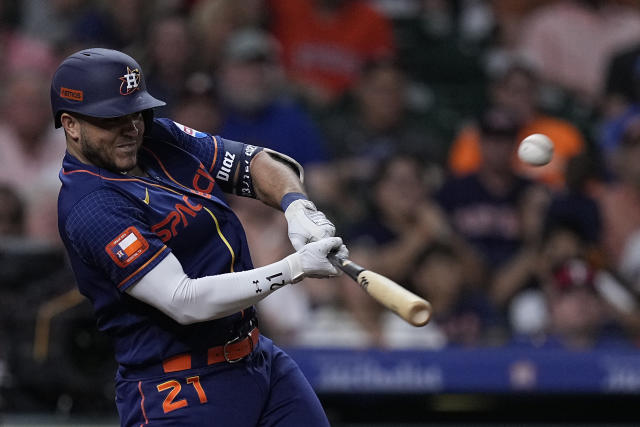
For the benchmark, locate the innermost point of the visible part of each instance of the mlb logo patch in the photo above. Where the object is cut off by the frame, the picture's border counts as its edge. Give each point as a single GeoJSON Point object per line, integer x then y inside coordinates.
{"type": "Point", "coordinates": [127, 247]}
{"type": "Point", "coordinates": [189, 131]}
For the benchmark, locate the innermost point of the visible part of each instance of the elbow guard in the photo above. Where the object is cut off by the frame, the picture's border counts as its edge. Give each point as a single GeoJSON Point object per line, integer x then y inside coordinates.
{"type": "Point", "coordinates": [297, 167]}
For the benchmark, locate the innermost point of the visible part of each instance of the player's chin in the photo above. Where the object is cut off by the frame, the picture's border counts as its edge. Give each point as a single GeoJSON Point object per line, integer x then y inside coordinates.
{"type": "Point", "coordinates": [126, 160]}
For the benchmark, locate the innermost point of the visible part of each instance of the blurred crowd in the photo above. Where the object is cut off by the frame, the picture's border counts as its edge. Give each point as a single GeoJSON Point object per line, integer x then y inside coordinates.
{"type": "Point", "coordinates": [406, 115]}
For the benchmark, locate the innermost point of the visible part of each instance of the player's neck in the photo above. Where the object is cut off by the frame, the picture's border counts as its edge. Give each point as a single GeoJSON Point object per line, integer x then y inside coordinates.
{"type": "Point", "coordinates": [136, 171]}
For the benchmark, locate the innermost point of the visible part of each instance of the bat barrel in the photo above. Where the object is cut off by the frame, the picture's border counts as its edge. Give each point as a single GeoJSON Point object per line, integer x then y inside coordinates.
{"type": "Point", "coordinates": [407, 305]}
{"type": "Point", "coordinates": [419, 313]}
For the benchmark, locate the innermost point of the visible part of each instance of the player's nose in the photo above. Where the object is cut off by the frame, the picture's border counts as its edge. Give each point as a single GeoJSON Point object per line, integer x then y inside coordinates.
{"type": "Point", "coordinates": [132, 125]}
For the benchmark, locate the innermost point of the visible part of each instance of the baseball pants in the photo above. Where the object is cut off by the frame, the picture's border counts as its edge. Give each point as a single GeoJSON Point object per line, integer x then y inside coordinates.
{"type": "Point", "coordinates": [265, 389]}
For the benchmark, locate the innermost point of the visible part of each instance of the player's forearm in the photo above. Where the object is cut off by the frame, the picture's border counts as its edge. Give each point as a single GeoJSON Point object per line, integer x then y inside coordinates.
{"type": "Point", "coordinates": [272, 179]}
{"type": "Point", "coordinates": [169, 289]}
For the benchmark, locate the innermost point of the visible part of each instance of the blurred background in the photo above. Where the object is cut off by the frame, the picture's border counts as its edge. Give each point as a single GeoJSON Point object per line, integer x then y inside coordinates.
{"type": "Point", "coordinates": [406, 115]}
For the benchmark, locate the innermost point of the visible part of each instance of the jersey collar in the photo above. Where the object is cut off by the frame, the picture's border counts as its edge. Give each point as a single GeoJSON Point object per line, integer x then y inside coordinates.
{"type": "Point", "coordinates": [70, 163]}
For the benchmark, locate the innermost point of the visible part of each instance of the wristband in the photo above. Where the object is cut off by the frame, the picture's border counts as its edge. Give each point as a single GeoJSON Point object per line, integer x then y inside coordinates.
{"type": "Point", "coordinates": [244, 184]}
{"type": "Point", "coordinates": [289, 198]}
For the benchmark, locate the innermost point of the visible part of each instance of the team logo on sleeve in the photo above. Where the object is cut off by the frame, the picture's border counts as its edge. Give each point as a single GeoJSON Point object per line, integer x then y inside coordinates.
{"type": "Point", "coordinates": [127, 247]}
{"type": "Point", "coordinates": [189, 131]}
{"type": "Point", "coordinates": [130, 81]}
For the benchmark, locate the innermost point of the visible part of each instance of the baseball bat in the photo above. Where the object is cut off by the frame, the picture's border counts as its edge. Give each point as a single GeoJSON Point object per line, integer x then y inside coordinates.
{"type": "Point", "coordinates": [396, 298]}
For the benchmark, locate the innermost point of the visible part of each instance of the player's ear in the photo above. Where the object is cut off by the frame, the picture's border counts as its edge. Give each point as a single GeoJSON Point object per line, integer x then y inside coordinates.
{"type": "Point", "coordinates": [71, 126]}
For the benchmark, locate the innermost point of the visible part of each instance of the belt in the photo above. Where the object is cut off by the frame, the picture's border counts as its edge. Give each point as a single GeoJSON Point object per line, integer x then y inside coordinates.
{"type": "Point", "coordinates": [232, 351]}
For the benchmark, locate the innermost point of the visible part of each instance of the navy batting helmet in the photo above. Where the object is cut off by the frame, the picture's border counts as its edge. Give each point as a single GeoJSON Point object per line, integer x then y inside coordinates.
{"type": "Point", "coordinates": [100, 83]}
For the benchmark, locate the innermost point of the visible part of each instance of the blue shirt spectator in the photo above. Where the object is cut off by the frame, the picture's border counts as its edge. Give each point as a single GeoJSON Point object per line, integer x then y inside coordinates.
{"type": "Point", "coordinates": [281, 126]}
{"type": "Point", "coordinates": [250, 86]}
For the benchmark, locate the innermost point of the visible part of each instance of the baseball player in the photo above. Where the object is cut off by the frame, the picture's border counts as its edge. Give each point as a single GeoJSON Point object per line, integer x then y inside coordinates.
{"type": "Point", "coordinates": [156, 248]}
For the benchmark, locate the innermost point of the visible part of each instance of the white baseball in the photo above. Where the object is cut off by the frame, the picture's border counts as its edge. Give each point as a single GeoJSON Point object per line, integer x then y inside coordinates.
{"type": "Point", "coordinates": [536, 149]}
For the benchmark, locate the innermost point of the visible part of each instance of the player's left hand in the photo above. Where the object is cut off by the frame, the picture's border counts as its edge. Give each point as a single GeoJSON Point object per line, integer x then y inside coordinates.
{"type": "Point", "coordinates": [311, 260]}
{"type": "Point", "coordinates": [306, 223]}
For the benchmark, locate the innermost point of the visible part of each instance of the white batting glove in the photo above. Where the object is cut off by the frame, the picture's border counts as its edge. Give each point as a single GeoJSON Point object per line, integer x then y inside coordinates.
{"type": "Point", "coordinates": [311, 260]}
{"type": "Point", "coordinates": [306, 223]}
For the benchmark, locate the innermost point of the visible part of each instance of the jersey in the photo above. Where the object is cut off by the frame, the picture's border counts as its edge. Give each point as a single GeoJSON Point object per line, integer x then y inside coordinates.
{"type": "Point", "coordinates": [490, 222]}
{"type": "Point", "coordinates": [117, 227]}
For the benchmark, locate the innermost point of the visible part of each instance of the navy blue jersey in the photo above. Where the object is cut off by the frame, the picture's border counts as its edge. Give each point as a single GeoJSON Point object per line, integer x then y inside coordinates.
{"type": "Point", "coordinates": [117, 227]}
{"type": "Point", "coordinates": [489, 222]}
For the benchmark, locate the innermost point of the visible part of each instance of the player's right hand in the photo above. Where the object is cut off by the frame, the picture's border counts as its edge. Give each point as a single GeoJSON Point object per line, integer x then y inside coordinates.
{"type": "Point", "coordinates": [311, 260]}
{"type": "Point", "coordinates": [306, 223]}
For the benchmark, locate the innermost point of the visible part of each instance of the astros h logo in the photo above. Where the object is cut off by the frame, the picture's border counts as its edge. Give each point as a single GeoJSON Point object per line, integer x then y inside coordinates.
{"type": "Point", "coordinates": [132, 81]}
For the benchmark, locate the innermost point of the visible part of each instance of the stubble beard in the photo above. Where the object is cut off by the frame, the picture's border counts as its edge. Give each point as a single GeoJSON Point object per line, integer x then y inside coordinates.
{"type": "Point", "coordinates": [98, 156]}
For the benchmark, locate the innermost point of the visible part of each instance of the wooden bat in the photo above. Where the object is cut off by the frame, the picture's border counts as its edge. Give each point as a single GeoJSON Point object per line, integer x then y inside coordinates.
{"type": "Point", "coordinates": [404, 303]}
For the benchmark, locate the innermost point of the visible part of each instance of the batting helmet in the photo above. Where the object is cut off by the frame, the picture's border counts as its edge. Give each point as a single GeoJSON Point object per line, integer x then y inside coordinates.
{"type": "Point", "coordinates": [100, 83]}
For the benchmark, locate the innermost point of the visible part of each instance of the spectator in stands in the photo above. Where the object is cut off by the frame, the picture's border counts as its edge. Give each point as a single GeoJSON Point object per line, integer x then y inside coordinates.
{"type": "Point", "coordinates": [622, 81]}
{"type": "Point", "coordinates": [129, 20]}
{"type": "Point", "coordinates": [326, 42]}
{"type": "Point", "coordinates": [619, 201]}
{"type": "Point", "coordinates": [402, 218]}
{"type": "Point", "coordinates": [250, 85]}
{"type": "Point", "coordinates": [30, 151]}
{"type": "Point", "coordinates": [462, 315]}
{"type": "Point", "coordinates": [579, 318]}
{"type": "Point", "coordinates": [517, 289]}
{"type": "Point", "coordinates": [21, 51]}
{"type": "Point", "coordinates": [516, 89]}
{"type": "Point", "coordinates": [494, 209]}
{"type": "Point", "coordinates": [629, 266]}
{"type": "Point", "coordinates": [403, 222]}
{"type": "Point", "coordinates": [60, 22]}
{"type": "Point", "coordinates": [441, 44]}
{"type": "Point", "coordinates": [213, 21]}
{"type": "Point", "coordinates": [12, 220]}
{"type": "Point", "coordinates": [575, 203]}
{"type": "Point", "coordinates": [376, 126]}
{"type": "Point", "coordinates": [572, 229]}
{"type": "Point", "coordinates": [169, 50]}
{"type": "Point", "coordinates": [557, 36]}
{"type": "Point", "coordinates": [380, 122]}
{"type": "Point", "coordinates": [198, 110]}
{"type": "Point", "coordinates": [621, 103]}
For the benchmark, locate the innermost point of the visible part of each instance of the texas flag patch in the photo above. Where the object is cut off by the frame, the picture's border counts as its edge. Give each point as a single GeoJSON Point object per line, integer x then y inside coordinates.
{"type": "Point", "coordinates": [127, 247]}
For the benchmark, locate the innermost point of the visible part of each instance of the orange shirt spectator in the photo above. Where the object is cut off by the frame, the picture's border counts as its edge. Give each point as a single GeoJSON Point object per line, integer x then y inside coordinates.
{"type": "Point", "coordinates": [465, 155]}
{"type": "Point", "coordinates": [325, 43]}
{"type": "Point", "coordinates": [515, 88]}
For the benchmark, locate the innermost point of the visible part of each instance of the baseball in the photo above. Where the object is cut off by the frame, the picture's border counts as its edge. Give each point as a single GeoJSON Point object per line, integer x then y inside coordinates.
{"type": "Point", "coordinates": [536, 149]}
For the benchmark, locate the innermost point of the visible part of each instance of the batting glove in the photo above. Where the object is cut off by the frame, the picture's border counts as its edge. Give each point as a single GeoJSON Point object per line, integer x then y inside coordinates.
{"type": "Point", "coordinates": [311, 260]}
{"type": "Point", "coordinates": [306, 223]}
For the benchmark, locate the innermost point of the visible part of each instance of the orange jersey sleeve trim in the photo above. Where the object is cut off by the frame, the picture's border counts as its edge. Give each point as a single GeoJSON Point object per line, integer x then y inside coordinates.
{"type": "Point", "coordinates": [215, 153]}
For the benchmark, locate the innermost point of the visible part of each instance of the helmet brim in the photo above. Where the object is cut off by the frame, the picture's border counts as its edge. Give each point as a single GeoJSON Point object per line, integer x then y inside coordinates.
{"type": "Point", "coordinates": [115, 107]}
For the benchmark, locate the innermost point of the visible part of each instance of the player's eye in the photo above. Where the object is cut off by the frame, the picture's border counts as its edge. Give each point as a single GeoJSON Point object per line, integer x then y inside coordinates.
{"type": "Point", "coordinates": [125, 120]}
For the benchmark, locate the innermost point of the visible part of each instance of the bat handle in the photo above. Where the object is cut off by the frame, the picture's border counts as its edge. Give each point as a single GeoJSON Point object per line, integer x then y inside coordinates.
{"type": "Point", "coordinates": [349, 267]}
